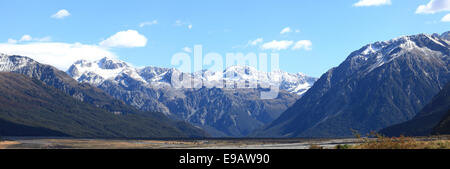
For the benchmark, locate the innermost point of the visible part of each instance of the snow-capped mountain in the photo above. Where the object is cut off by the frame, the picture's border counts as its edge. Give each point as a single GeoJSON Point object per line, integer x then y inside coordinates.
{"type": "Point", "coordinates": [377, 54]}
{"type": "Point", "coordinates": [97, 72]}
{"type": "Point", "coordinates": [41, 101]}
{"type": "Point", "coordinates": [381, 84]}
{"type": "Point", "coordinates": [9, 64]}
{"type": "Point", "coordinates": [228, 111]}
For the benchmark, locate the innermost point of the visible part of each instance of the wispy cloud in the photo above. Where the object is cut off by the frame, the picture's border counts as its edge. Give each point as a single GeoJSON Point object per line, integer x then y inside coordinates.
{"type": "Point", "coordinates": [60, 55]}
{"type": "Point", "coordinates": [148, 23]}
{"type": "Point", "coordinates": [127, 39]}
{"type": "Point", "coordinates": [183, 23]}
{"type": "Point", "coordinates": [11, 41]}
{"type": "Point", "coordinates": [61, 14]}
{"type": "Point", "coordinates": [289, 30]}
{"type": "Point", "coordinates": [27, 38]}
{"type": "Point", "coordinates": [446, 18]}
{"type": "Point", "coordinates": [303, 44]}
{"type": "Point", "coordinates": [43, 39]}
{"type": "Point", "coordinates": [255, 42]}
{"type": "Point", "coordinates": [187, 49]}
{"type": "Point", "coordinates": [277, 45]}
{"type": "Point", "coordinates": [434, 6]}
{"type": "Point", "coordinates": [286, 30]}
{"type": "Point", "coordinates": [363, 3]}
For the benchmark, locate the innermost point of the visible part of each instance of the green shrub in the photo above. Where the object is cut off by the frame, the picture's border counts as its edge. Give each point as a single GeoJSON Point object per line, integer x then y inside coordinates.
{"type": "Point", "coordinates": [345, 146]}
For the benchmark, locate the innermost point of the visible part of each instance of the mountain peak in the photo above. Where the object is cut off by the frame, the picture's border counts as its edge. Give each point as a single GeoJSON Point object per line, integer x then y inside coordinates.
{"type": "Point", "coordinates": [96, 72]}
{"type": "Point", "coordinates": [240, 67]}
{"type": "Point", "coordinates": [380, 84]}
{"type": "Point", "coordinates": [379, 53]}
{"type": "Point", "coordinates": [446, 35]}
{"type": "Point", "coordinates": [14, 62]}
{"type": "Point", "coordinates": [110, 63]}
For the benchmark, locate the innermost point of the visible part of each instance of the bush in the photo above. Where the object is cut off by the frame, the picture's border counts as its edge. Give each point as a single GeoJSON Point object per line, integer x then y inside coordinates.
{"type": "Point", "coordinates": [402, 142]}
{"type": "Point", "coordinates": [345, 146]}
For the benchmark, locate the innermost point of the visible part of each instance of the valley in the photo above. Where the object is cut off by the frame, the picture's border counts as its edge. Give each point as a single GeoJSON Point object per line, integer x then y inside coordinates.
{"type": "Point", "coordinates": [382, 84]}
{"type": "Point", "coordinates": [224, 83]}
{"type": "Point", "coordinates": [227, 143]}
{"type": "Point", "coordinates": [71, 143]}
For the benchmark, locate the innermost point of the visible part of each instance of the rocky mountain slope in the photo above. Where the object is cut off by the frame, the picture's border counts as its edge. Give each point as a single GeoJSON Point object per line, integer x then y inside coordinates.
{"type": "Point", "coordinates": [379, 85]}
{"type": "Point", "coordinates": [221, 111]}
{"type": "Point", "coordinates": [427, 119]}
{"type": "Point", "coordinates": [443, 127]}
{"type": "Point", "coordinates": [36, 102]}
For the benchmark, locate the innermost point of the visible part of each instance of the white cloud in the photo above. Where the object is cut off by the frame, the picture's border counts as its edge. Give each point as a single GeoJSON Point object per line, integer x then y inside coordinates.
{"type": "Point", "coordinates": [255, 42]}
{"type": "Point", "coordinates": [44, 39]}
{"type": "Point", "coordinates": [362, 3]}
{"type": "Point", "coordinates": [154, 22]}
{"type": "Point", "coordinates": [446, 18]}
{"type": "Point", "coordinates": [286, 30]}
{"type": "Point", "coordinates": [61, 14]}
{"type": "Point", "coordinates": [182, 23]}
{"type": "Point", "coordinates": [187, 49]}
{"type": "Point", "coordinates": [277, 45]}
{"type": "Point", "coordinates": [305, 44]}
{"type": "Point", "coordinates": [434, 6]}
{"type": "Point", "coordinates": [12, 41]}
{"type": "Point", "coordinates": [297, 31]}
{"type": "Point", "coordinates": [26, 38]}
{"type": "Point", "coordinates": [178, 23]}
{"type": "Point", "coordinates": [60, 55]}
{"type": "Point", "coordinates": [128, 39]}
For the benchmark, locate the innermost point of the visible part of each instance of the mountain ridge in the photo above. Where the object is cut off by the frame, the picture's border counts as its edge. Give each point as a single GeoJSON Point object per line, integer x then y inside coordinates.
{"type": "Point", "coordinates": [218, 110]}
{"type": "Point", "coordinates": [378, 85]}
{"type": "Point", "coordinates": [95, 72]}
{"type": "Point", "coordinates": [86, 93]}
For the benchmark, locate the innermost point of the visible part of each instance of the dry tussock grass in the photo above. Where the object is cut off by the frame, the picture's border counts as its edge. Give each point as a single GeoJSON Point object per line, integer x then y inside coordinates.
{"type": "Point", "coordinates": [6, 144]}
{"type": "Point", "coordinates": [380, 142]}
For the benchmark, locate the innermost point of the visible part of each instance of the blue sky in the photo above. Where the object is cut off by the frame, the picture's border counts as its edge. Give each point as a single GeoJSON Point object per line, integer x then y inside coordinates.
{"type": "Point", "coordinates": [152, 31]}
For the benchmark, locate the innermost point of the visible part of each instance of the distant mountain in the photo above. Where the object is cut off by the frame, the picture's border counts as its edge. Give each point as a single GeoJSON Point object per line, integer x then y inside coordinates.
{"type": "Point", "coordinates": [97, 72]}
{"type": "Point", "coordinates": [379, 85]}
{"type": "Point", "coordinates": [427, 119]}
{"type": "Point", "coordinates": [60, 80]}
{"type": "Point", "coordinates": [40, 97]}
{"type": "Point", "coordinates": [220, 111]}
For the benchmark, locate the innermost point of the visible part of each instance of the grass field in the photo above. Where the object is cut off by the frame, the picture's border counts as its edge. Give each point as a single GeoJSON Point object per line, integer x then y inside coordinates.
{"type": "Point", "coordinates": [380, 142]}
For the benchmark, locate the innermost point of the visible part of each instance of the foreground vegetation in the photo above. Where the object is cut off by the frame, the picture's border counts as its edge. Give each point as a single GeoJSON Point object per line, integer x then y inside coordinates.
{"type": "Point", "coordinates": [403, 143]}
{"type": "Point", "coordinates": [377, 141]}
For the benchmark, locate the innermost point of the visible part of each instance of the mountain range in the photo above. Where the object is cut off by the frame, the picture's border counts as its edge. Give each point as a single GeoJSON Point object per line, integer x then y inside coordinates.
{"type": "Point", "coordinates": [398, 86]}
{"type": "Point", "coordinates": [223, 112]}
{"type": "Point", "coordinates": [38, 99]}
{"type": "Point", "coordinates": [381, 84]}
